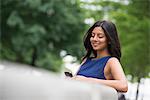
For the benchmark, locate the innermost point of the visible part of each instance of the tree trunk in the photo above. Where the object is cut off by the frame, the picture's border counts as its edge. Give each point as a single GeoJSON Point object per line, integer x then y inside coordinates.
{"type": "Point", "coordinates": [137, 92]}
{"type": "Point", "coordinates": [34, 56]}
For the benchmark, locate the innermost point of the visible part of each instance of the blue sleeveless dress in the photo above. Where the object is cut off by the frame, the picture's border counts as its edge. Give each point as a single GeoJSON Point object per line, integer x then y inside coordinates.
{"type": "Point", "coordinates": [94, 68]}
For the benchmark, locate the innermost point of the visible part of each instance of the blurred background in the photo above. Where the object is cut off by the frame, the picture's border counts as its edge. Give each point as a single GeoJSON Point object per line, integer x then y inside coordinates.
{"type": "Point", "coordinates": [49, 34]}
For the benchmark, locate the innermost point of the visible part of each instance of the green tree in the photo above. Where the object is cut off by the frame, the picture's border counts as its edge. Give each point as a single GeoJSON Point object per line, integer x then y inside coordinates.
{"type": "Point", "coordinates": [35, 31]}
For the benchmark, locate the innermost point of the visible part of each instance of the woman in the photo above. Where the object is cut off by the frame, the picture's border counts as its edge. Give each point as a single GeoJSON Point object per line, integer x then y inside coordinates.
{"type": "Point", "coordinates": [101, 64]}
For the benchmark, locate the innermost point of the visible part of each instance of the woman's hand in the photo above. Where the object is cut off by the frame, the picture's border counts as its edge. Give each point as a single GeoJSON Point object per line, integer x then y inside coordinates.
{"type": "Point", "coordinates": [83, 78]}
{"type": "Point", "coordinates": [80, 78]}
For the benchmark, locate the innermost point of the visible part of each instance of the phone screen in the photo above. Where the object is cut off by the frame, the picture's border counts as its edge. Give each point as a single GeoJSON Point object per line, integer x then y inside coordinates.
{"type": "Point", "coordinates": [68, 74]}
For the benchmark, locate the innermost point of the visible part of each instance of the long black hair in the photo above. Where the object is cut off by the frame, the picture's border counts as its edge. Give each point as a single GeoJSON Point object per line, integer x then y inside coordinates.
{"type": "Point", "coordinates": [112, 36]}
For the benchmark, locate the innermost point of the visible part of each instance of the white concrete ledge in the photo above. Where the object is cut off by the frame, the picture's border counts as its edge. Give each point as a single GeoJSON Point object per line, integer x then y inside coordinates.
{"type": "Point", "coordinates": [18, 82]}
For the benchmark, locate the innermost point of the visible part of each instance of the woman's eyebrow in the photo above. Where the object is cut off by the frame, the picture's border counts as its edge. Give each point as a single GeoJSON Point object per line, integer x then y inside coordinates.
{"type": "Point", "coordinates": [98, 33]}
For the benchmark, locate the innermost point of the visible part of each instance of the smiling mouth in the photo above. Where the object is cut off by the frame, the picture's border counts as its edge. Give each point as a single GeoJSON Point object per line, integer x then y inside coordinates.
{"type": "Point", "coordinates": [95, 44]}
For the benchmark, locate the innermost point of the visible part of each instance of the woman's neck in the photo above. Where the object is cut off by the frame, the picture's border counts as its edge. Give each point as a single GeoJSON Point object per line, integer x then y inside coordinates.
{"type": "Point", "coordinates": [103, 53]}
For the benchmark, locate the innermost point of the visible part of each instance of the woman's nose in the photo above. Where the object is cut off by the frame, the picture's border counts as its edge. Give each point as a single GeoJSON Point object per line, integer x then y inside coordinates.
{"type": "Point", "coordinates": [95, 38]}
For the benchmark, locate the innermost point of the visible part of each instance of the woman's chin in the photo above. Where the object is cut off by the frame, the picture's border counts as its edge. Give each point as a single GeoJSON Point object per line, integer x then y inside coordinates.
{"type": "Point", "coordinates": [95, 49]}
{"type": "Point", "coordinates": [98, 49]}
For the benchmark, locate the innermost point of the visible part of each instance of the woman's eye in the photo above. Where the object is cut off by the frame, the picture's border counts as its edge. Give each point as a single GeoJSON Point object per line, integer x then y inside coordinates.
{"type": "Point", "coordinates": [100, 36]}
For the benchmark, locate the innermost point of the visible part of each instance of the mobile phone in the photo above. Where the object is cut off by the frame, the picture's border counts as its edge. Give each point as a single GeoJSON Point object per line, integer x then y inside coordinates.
{"type": "Point", "coordinates": [68, 74]}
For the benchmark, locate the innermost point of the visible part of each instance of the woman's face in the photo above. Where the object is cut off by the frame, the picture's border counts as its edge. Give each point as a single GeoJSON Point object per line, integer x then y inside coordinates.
{"type": "Point", "coordinates": [98, 39]}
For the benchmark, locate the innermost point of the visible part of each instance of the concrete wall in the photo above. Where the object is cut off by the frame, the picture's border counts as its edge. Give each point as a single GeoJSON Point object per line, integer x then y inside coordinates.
{"type": "Point", "coordinates": [20, 82]}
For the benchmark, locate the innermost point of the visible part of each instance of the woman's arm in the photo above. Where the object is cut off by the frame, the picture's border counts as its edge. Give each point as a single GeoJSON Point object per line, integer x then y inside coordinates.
{"type": "Point", "coordinates": [119, 82]}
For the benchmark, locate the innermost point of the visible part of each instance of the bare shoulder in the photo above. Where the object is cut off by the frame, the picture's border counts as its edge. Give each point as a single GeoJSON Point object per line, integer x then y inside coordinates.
{"type": "Point", "coordinates": [113, 61]}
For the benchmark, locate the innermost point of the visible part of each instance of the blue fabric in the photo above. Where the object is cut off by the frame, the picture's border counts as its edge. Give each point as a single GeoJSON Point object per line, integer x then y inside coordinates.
{"type": "Point", "coordinates": [94, 68]}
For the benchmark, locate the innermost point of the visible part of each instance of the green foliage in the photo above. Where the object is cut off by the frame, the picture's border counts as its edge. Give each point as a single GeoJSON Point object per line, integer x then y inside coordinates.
{"type": "Point", "coordinates": [50, 61]}
{"type": "Point", "coordinates": [35, 31]}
